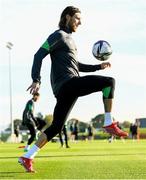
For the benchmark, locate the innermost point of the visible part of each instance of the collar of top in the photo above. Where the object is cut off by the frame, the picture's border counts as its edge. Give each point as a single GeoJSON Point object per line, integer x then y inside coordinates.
{"type": "Point", "coordinates": [67, 30]}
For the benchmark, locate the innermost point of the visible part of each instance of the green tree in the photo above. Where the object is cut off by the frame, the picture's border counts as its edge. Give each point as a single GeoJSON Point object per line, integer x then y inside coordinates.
{"type": "Point", "coordinates": [48, 119]}
{"type": "Point", "coordinates": [126, 124]}
{"type": "Point", "coordinates": [98, 121]}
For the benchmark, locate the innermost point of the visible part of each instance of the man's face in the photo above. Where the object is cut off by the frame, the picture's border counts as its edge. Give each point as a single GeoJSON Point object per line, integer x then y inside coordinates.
{"type": "Point", "coordinates": [74, 21]}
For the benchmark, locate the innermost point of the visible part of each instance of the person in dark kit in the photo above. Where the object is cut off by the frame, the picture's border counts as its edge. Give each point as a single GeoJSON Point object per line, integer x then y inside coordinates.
{"type": "Point", "coordinates": [29, 120]}
{"type": "Point", "coordinates": [71, 131]}
{"type": "Point", "coordinates": [75, 131]}
{"type": "Point", "coordinates": [130, 130]}
{"type": "Point", "coordinates": [90, 132]}
{"type": "Point", "coordinates": [64, 132]}
{"type": "Point", "coordinates": [134, 131]}
{"type": "Point", "coordinates": [66, 82]}
{"type": "Point", "coordinates": [16, 132]}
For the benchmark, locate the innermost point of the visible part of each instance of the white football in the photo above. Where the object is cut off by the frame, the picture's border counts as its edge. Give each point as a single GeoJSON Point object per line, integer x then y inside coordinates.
{"type": "Point", "coordinates": [102, 50]}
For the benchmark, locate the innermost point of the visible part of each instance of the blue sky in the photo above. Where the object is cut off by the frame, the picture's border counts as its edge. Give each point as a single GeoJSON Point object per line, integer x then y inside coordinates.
{"type": "Point", "coordinates": [27, 24]}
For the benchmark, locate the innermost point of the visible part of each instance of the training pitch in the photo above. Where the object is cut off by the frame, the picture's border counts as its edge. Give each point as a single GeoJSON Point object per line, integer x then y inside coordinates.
{"type": "Point", "coordinates": [84, 160]}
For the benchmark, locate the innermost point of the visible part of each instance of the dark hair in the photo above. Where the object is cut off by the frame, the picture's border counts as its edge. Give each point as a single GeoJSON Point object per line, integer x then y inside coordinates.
{"type": "Point", "coordinates": [70, 10]}
{"type": "Point", "coordinates": [36, 94]}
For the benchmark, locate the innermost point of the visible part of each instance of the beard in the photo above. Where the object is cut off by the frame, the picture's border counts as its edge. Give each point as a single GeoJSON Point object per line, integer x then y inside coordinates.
{"type": "Point", "coordinates": [72, 27]}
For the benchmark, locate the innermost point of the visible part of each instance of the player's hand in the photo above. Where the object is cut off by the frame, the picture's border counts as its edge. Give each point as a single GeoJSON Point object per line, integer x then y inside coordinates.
{"type": "Point", "coordinates": [105, 65]}
{"type": "Point", "coordinates": [34, 87]}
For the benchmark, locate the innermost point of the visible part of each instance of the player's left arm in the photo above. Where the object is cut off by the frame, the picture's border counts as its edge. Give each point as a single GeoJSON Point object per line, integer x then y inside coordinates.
{"type": "Point", "coordinates": [88, 68]}
{"type": "Point", "coordinates": [91, 68]}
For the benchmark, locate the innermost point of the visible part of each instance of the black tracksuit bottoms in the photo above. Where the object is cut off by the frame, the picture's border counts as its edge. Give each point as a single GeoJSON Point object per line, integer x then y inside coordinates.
{"type": "Point", "coordinates": [68, 94]}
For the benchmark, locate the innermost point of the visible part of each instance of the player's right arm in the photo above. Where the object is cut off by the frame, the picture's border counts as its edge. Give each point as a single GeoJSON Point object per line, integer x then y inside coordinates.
{"type": "Point", "coordinates": [36, 68]}
{"type": "Point", "coordinates": [49, 45]}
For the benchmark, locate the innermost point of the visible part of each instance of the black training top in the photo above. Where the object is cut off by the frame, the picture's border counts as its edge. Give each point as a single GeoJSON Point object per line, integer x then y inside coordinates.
{"type": "Point", "coordinates": [63, 53]}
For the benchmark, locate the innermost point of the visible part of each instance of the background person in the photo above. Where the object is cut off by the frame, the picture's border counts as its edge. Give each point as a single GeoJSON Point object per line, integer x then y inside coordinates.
{"type": "Point", "coordinates": [75, 130]}
{"type": "Point", "coordinates": [65, 139]}
{"type": "Point", "coordinates": [71, 131]}
{"type": "Point", "coordinates": [29, 120]}
{"type": "Point", "coordinates": [90, 132]}
{"type": "Point", "coordinates": [17, 132]}
{"type": "Point", "coordinates": [134, 131]}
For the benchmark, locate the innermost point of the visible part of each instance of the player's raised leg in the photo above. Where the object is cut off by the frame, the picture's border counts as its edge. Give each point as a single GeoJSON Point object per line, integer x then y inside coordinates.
{"type": "Point", "coordinates": [110, 126]}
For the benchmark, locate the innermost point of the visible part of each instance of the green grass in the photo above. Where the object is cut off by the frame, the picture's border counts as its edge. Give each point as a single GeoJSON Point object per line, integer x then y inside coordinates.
{"type": "Point", "coordinates": [84, 160]}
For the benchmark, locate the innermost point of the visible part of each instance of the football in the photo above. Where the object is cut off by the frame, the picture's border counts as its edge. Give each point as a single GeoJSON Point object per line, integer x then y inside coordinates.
{"type": "Point", "coordinates": [102, 50]}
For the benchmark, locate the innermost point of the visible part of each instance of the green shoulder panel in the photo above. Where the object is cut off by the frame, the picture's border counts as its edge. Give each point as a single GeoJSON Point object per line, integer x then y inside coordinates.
{"type": "Point", "coordinates": [30, 107]}
{"type": "Point", "coordinates": [46, 45]}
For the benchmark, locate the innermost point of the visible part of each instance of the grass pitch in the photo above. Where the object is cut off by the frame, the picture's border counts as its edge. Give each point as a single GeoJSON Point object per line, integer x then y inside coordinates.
{"type": "Point", "coordinates": [84, 160]}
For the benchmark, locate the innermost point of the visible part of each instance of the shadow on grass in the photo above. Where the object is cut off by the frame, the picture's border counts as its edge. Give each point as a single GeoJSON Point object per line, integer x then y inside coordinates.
{"type": "Point", "coordinates": [7, 173]}
{"type": "Point", "coordinates": [79, 155]}
{"type": "Point", "coordinates": [10, 174]}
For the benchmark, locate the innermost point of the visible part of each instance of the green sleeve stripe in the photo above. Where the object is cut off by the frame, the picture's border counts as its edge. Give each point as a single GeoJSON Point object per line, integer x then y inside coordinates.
{"type": "Point", "coordinates": [46, 46]}
{"type": "Point", "coordinates": [106, 91]}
